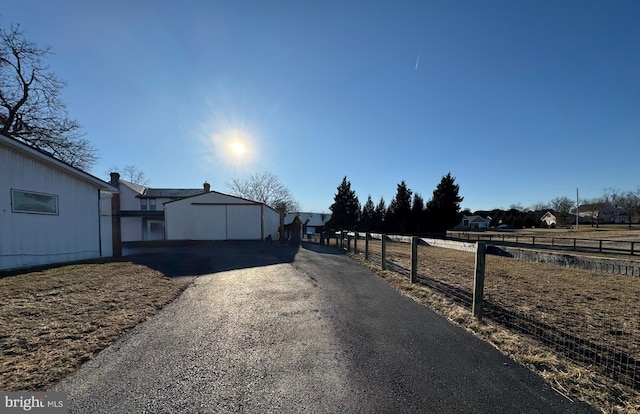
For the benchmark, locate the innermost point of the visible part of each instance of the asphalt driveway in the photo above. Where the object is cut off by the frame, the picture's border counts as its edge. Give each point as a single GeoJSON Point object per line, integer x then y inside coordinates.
{"type": "Point", "coordinates": [268, 328]}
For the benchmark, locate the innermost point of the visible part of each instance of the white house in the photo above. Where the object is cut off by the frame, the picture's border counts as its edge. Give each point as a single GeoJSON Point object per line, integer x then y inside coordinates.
{"type": "Point", "coordinates": [142, 208]}
{"type": "Point", "coordinates": [217, 216]}
{"type": "Point", "coordinates": [601, 213]}
{"type": "Point", "coordinates": [548, 219]}
{"type": "Point", "coordinates": [50, 212]}
{"type": "Point", "coordinates": [474, 223]}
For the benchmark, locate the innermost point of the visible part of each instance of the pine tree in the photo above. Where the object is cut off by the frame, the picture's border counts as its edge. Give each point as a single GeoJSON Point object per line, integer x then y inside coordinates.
{"type": "Point", "coordinates": [345, 208]}
{"type": "Point", "coordinates": [417, 214]}
{"type": "Point", "coordinates": [400, 209]}
{"type": "Point", "coordinates": [367, 218]}
{"type": "Point", "coordinates": [379, 216]}
{"type": "Point", "coordinates": [444, 207]}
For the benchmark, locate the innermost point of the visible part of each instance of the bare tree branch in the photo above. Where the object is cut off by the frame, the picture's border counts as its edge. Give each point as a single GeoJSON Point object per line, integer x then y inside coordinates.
{"type": "Point", "coordinates": [265, 188]}
{"type": "Point", "coordinates": [30, 105]}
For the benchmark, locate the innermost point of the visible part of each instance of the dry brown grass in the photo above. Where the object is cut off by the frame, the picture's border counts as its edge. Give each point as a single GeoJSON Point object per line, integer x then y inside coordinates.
{"type": "Point", "coordinates": [596, 307]}
{"type": "Point", "coordinates": [52, 321]}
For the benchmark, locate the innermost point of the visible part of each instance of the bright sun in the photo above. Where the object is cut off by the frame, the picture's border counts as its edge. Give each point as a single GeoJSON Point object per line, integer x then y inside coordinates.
{"type": "Point", "coordinates": [238, 148]}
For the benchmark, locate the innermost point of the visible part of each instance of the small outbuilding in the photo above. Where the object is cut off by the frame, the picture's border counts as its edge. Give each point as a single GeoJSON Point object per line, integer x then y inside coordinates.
{"type": "Point", "coordinates": [217, 216]}
{"type": "Point", "coordinates": [50, 212]}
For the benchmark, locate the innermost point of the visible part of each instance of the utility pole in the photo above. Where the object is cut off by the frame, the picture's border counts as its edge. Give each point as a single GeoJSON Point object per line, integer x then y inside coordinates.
{"type": "Point", "coordinates": [577, 208]}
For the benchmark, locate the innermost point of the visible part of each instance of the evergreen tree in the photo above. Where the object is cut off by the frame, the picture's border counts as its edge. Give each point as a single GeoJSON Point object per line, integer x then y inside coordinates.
{"type": "Point", "coordinates": [367, 217]}
{"type": "Point", "coordinates": [417, 214]}
{"type": "Point", "coordinates": [379, 216]}
{"type": "Point", "coordinates": [444, 206]}
{"type": "Point", "coordinates": [345, 208]}
{"type": "Point", "coordinates": [400, 209]}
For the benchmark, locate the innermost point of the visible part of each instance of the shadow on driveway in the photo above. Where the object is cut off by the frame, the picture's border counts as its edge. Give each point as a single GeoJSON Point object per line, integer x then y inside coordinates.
{"type": "Point", "coordinates": [179, 259]}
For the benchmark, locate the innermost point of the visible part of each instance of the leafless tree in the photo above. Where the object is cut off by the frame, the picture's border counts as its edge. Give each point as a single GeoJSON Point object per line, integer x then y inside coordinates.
{"type": "Point", "coordinates": [130, 173]}
{"type": "Point", "coordinates": [539, 206]}
{"type": "Point", "coordinates": [628, 201]}
{"type": "Point", "coordinates": [265, 187]}
{"type": "Point", "coordinates": [30, 106]}
{"type": "Point", "coordinates": [562, 207]}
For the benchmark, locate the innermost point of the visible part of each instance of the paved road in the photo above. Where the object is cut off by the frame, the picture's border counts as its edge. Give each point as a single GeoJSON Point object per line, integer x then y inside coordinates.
{"type": "Point", "coordinates": [277, 329]}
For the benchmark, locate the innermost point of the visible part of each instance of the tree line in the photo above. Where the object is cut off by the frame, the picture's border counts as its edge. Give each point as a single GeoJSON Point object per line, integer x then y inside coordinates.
{"type": "Point", "coordinates": [407, 213]}
{"type": "Point", "coordinates": [564, 208]}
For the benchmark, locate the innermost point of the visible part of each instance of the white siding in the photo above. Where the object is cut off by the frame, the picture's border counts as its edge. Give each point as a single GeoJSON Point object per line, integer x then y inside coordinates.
{"type": "Point", "coordinates": [271, 222]}
{"type": "Point", "coordinates": [131, 228]}
{"type": "Point", "coordinates": [215, 216]}
{"type": "Point", "coordinates": [244, 222]}
{"type": "Point", "coordinates": [106, 235]}
{"type": "Point", "coordinates": [32, 239]}
{"type": "Point", "coordinates": [128, 200]}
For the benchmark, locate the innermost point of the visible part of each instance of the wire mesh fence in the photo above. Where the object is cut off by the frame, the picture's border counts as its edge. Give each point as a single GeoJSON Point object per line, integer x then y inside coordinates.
{"type": "Point", "coordinates": [589, 317]}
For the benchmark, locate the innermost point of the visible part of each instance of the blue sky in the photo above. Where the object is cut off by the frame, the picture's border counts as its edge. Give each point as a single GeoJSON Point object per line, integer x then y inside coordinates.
{"type": "Point", "coordinates": [522, 101]}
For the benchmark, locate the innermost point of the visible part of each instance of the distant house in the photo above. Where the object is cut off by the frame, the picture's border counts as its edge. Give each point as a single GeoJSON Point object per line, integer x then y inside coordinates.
{"type": "Point", "coordinates": [50, 211]}
{"type": "Point", "coordinates": [474, 223]}
{"type": "Point", "coordinates": [548, 219]}
{"type": "Point", "coordinates": [606, 212]}
{"type": "Point", "coordinates": [312, 223]}
{"type": "Point", "coordinates": [142, 208]}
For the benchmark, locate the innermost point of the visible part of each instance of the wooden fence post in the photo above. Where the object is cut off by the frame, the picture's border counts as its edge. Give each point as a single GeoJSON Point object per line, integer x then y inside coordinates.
{"type": "Point", "coordinates": [384, 252]}
{"type": "Point", "coordinates": [366, 245]}
{"type": "Point", "coordinates": [414, 259]}
{"type": "Point", "coordinates": [478, 280]}
{"type": "Point", "coordinates": [355, 242]}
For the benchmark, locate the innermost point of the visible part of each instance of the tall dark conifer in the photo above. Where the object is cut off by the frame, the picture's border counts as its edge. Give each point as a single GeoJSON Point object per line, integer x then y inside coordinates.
{"type": "Point", "coordinates": [379, 216]}
{"type": "Point", "coordinates": [417, 214]}
{"type": "Point", "coordinates": [345, 208]}
{"type": "Point", "coordinates": [400, 209]}
{"type": "Point", "coordinates": [367, 217]}
{"type": "Point", "coordinates": [444, 207]}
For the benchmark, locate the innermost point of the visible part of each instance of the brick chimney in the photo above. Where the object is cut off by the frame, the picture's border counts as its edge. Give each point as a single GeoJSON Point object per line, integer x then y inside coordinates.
{"type": "Point", "coordinates": [207, 187]}
{"type": "Point", "coordinates": [115, 179]}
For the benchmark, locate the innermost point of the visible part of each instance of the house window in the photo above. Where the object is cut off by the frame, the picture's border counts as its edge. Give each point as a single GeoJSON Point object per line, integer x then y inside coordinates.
{"type": "Point", "coordinates": [152, 204]}
{"type": "Point", "coordinates": [31, 202]}
{"type": "Point", "coordinates": [143, 204]}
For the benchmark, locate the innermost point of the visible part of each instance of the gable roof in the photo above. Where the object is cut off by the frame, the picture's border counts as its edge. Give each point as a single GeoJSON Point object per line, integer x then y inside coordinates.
{"type": "Point", "coordinates": [147, 192]}
{"type": "Point", "coordinates": [203, 195]}
{"type": "Point", "coordinates": [476, 219]}
{"type": "Point", "coordinates": [46, 158]}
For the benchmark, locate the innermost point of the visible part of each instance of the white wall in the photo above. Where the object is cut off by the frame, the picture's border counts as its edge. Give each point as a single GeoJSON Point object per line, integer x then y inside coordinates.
{"type": "Point", "coordinates": [131, 228]}
{"type": "Point", "coordinates": [215, 216]}
{"type": "Point", "coordinates": [244, 222]}
{"type": "Point", "coordinates": [128, 200]}
{"type": "Point", "coordinates": [28, 239]}
{"type": "Point", "coordinates": [271, 222]}
{"type": "Point", "coordinates": [106, 235]}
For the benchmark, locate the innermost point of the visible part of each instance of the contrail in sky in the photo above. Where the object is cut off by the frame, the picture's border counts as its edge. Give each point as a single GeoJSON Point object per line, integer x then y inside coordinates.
{"type": "Point", "coordinates": [417, 62]}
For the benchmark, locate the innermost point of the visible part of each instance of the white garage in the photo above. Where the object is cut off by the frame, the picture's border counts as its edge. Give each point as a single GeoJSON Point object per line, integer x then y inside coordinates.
{"type": "Point", "coordinates": [218, 216]}
{"type": "Point", "coordinates": [50, 212]}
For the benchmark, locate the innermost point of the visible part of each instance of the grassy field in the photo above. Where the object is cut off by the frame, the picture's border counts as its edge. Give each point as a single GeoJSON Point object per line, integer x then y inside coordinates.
{"type": "Point", "coordinates": [586, 312]}
{"type": "Point", "coordinates": [52, 321]}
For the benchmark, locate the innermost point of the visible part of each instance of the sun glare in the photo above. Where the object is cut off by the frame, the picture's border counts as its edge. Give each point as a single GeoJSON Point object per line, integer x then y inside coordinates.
{"type": "Point", "coordinates": [237, 148]}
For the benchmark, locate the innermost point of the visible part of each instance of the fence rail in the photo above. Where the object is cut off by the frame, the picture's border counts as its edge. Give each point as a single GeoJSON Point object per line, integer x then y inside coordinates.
{"type": "Point", "coordinates": [550, 242]}
{"type": "Point", "coordinates": [604, 334]}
